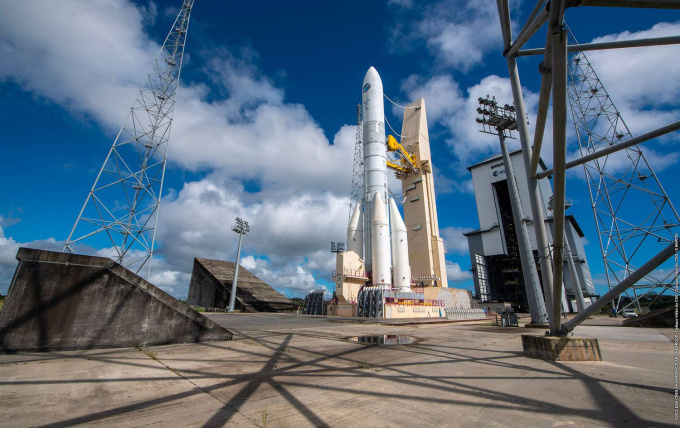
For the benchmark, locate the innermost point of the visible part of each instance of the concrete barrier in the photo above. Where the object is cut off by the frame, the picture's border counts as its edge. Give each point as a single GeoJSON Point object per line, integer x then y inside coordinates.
{"type": "Point", "coordinates": [63, 301]}
{"type": "Point", "coordinates": [561, 348]}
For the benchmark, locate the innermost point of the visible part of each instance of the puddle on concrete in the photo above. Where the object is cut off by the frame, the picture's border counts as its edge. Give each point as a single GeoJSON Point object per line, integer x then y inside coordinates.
{"type": "Point", "coordinates": [384, 339]}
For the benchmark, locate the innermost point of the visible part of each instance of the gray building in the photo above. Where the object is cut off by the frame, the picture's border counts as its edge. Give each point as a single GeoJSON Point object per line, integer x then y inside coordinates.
{"type": "Point", "coordinates": [494, 251]}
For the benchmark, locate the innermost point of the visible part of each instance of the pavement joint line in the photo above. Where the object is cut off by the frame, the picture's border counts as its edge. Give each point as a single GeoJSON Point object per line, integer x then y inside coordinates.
{"type": "Point", "coordinates": [151, 355]}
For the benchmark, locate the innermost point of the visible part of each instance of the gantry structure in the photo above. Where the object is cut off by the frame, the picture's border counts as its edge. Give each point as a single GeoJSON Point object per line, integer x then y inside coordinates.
{"type": "Point", "coordinates": [121, 209]}
{"type": "Point", "coordinates": [596, 145]}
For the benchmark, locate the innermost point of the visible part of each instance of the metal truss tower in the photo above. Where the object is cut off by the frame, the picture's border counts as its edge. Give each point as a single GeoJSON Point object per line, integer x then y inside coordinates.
{"type": "Point", "coordinates": [357, 192]}
{"type": "Point", "coordinates": [121, 209]}
{"type": "Point", "coordinates": [634, 216]}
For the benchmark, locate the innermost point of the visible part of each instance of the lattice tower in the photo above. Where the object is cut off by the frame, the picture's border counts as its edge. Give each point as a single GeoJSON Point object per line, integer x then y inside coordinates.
{"type": "Point", "coordinates": [121, 209]}
{"type": "Point", "coordinates": [357, 192]}
{"type": "Point", "coordinates": [635, 218]}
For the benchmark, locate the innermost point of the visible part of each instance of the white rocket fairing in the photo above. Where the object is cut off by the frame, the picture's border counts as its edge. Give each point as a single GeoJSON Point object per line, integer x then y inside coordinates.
{"type": "Point", "coordinates": [355, 232]}
{"type": "Point", "coordinates": [375, 153]}
{"type": "Point", "coordinates": [400, 264]}
{"type": "Point", "coordinates": [380, 243]}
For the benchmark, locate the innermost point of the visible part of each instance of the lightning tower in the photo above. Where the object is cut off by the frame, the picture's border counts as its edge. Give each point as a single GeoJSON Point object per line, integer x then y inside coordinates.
{"type": "Point", "coordinates": [357, 192]}
{"type": "Point", "coordinates": [634, 216]}
{"type": "Point", "coordinates": [121, 210]}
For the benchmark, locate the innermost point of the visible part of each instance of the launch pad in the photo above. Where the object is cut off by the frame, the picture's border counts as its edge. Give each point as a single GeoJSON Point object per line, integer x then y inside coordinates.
{"type": "Point", "coordinates": [304, 372]}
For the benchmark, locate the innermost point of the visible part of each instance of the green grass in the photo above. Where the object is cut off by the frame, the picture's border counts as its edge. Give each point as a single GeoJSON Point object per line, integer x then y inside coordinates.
{"type": "Point", "coordinates": [2, 301]}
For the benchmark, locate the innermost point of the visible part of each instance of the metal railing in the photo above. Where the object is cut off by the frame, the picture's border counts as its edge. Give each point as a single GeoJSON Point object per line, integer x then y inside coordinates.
{"type": "Point", "coordinates": [464, 314]}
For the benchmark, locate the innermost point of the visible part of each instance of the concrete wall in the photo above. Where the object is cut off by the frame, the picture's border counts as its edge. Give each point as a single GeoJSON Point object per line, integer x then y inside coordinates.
{"type": "Point", "coordinates": [205, 291]}
{"type": "Point", "coordinates": [65, 301]}
{"type": "Point", "coordinates": [455, 298]}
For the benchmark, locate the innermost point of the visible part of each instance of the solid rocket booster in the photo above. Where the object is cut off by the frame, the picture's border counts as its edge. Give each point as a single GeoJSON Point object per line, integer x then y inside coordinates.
{"type": "Point", "coordinates": [380, 243]}
{"type": "Point", "coordinates": [355, 232]}
{"type": "Point", "coordinates": [400, 263]}
{"type": "Point", "coordinates": [375, 156]}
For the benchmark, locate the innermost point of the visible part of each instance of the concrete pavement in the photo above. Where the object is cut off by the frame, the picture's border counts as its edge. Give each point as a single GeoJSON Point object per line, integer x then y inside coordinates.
{"type": "Point", "coordinates": [286, 371]}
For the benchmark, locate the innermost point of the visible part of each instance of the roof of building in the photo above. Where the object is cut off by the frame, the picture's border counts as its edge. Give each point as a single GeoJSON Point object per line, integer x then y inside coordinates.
{"type": "Point", "coordinates": [500, 156]}
{"type": "Point", "coordinates": [247, 282]}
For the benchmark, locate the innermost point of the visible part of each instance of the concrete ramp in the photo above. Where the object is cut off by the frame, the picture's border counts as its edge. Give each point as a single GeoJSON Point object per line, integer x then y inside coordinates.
{"type": "Point", "coordinates": [660, 318]}
{"type": "Point", "coordinates": [61, 301]}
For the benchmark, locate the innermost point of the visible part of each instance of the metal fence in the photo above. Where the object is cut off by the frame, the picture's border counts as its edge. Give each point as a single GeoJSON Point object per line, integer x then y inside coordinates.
{"type": "Point", "coordinates": [464, 314]}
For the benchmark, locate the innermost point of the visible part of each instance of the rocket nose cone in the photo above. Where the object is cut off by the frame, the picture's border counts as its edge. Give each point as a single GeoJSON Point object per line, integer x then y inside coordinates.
{"type": "Point", "coordinates": [379, 214]}
{"type": "Point", "coordinates": [396, 223]}
{"type": "Point", "coordinates": [372, 76]}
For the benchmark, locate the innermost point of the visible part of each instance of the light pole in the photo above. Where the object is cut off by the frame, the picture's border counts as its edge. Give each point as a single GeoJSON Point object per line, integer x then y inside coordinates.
{"type": "Point", "coordinates": [498, 120]}
{"type": "Point", "coordinates": [241, 227]}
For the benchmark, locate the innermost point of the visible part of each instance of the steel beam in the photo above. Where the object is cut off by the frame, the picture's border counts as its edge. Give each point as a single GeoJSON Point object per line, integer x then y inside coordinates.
{"type": "Point", "coordinates": [529, 272]}
{"type": "Point", "coordinates": [535, 25]}
{"type": "Point", "coordinates": [647, 4]}
{"type": "Point", "coordinates": [532, 183]}
{"type": "Point", "coordinates": [532, 15]}
{"type": "Point", "coordinates": [616, 147]}
{"type": "Point", "coordinates": [619, 44]}
{"type": "Point", "coordinates": [578, 292]}
{"type": "Point", "coordinates": [543, 104]}
{"type": "Point", "coordinates": [559, 69]}
{"type": "Point", "coordinates": [634, 277]}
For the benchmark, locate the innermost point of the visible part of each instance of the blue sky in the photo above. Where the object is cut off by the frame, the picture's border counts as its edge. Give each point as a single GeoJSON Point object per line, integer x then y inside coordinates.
{"type": "Point", "coordinates": [264, 123]}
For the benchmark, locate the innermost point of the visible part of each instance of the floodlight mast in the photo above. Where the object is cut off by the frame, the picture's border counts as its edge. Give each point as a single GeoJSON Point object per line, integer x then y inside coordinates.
{"type": "Point", "coordinates": [498, 120]}
{"type": "Point", "coordinates": [241, 227]}
{"type": "Point", "coordinates": [337, 247]}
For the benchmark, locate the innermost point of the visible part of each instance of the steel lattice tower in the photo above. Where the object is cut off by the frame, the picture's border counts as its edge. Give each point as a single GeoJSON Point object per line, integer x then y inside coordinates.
{"type": "Point", "coordinates": [122, 207]}
{"type": "Point", "coordinates": [634, 216]}
{"type": "Point", "coordinates": [357, 191]}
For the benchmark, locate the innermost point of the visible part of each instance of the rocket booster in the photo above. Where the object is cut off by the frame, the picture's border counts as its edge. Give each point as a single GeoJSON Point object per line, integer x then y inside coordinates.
{"type": "Point", "coordinates": [380, 243]}
{"type": "Point", "coordinates": [355, 232]}
{"type": "Point", "coordinates": [400, 263]}
{"type": "Point", "coordinates": [375, 153]}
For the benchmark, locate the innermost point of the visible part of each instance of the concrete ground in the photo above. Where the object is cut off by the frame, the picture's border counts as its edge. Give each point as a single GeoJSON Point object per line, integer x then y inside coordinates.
{"type": "Point", "coordinates": [286, 371]}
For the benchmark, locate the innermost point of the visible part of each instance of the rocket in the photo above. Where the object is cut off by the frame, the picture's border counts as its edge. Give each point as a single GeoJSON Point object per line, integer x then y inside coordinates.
{"type": "Point", "coordinates": [382, 246]}
{"type": "Point", "coordinates": [375, 154]}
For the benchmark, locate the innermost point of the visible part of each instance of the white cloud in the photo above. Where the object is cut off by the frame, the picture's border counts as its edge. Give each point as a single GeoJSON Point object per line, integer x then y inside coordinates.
{"type": "Point", "coordinates": [293, 280]}
{"type": "Point", "coordinates": [458, 33]}
{"type": "Point", "coordinates": [8, 251]}
{"type": "Point", "coordinates": [456, 274]}
{"type": "Point", "coordinates": [650, 68]}
{"type": "Point", "coordinates": [454, 241]}
{"type": "Point", "coordinates": [457, 112]}
{"type": "Point", "coordinates": [89, 57]}
{"type": "Point", "coordinates": [639, 83]}
{"type": "Point", "coordinates": [239, 128]}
